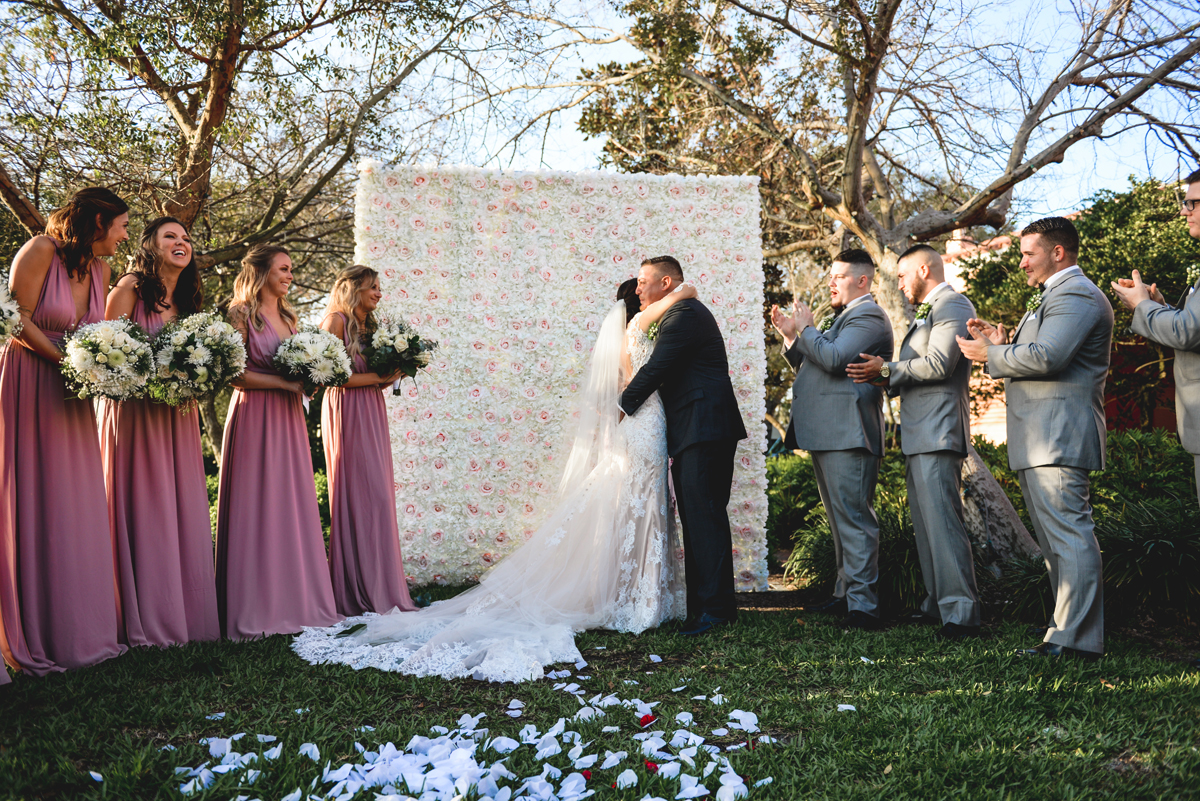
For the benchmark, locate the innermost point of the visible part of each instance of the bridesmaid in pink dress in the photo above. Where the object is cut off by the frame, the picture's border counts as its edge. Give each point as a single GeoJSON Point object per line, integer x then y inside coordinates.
{"type": "Point", "coordinates": [364, 540]}
{"type": "Point", "coordinates": [154, 466]}
{"type": "Point", "coordinates": [272, 573]}
{"type": "Point", "coordinates": [58, 601]}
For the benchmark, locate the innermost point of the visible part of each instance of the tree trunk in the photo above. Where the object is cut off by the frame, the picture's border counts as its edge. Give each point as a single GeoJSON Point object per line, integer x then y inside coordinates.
{"type": "Point", "coordinates": [27, 213]}
{"type": "Point", "coordinates": [993, 523]}
{"type": "Point", "coordinates": [213, 430]}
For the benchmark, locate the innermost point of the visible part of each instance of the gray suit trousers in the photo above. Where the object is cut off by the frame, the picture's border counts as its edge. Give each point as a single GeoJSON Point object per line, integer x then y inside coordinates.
{"type": "Point", "coordinates": [1057, 500]}
{"type": "Point", "coordinates": [934, 487]}
{"type": "Point", "coordinates": [1197, 458]}
{"type": "Point", "coordinates": [846, 481]}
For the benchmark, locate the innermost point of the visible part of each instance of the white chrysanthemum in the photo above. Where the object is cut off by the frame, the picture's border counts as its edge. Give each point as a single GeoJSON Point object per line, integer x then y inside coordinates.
{"type": "Point", "coordinates": [179, 338]}
{"type": "Point", "coordinates": [199, 355]}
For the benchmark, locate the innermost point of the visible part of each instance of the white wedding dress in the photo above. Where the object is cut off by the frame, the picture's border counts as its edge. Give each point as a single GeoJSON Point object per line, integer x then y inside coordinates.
{"type": "Point", "coordinates": [607, 556]}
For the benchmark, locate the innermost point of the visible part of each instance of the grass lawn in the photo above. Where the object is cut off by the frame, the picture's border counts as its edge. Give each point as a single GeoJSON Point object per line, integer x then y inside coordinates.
{"type": "Point", "coordinates": [932, 720]}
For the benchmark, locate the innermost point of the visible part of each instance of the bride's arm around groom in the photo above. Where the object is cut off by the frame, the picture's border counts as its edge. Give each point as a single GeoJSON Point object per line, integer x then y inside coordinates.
{"type": "Point", "coordinates": [690, 372]}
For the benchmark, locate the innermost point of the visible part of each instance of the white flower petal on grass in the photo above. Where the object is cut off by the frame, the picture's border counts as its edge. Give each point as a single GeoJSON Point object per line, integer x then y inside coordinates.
{"type": "Point", "coordinates": [612, 759]}
{"type": "Point", "coordinates": [96, 776]}
{"type": "Point", "coordinates": [504, 745]}
{"type": "Point", "coordinates": [273, 753]}
{"type": "Point", "coordinates": [311, 751]}
{"type": "Point", "coordinates": [295, 795]}
{"type": "Point", "coordinates": [168, 747]}
{"type": "Point", "coordinates": [764, 782]}
{"type": "Point", "coordinates": [868, 661]}
{"type": "Point", "coordinates": [721, 732]}
{"type": "Point", "coordinates": [513, 713]}
{"type": "Point", "coordinates": [718, 699]}
{"type": "Point", "coordinates": [846, 708]}
{"type": "Point", "coordinates": [732, 792]}
{"type": "Point", "coordinates": [266, 738]}
{"type": "Point", "coordinates": [627, 779]}
{"type": "Point", "coordinates": [746, 721]}
{"type": "Point", "coordinates": [655, 658]}
{"type": "Point", "coordinates": [690, 787]}
{"type": "Point", "coordinates": [583, 763]}
{"type": "Point", "coordinates": [679, 689]}
{"type": "Point", "coordinates": [610, 729]}
{"type": "Point", "coordinates": [515, 704]}
{"type": "Point", "coordinates": [669, 770]}
{"type": "Point", "coordinates": [685, 718]}
{"type": "Point", "coordinates": [215, 716]}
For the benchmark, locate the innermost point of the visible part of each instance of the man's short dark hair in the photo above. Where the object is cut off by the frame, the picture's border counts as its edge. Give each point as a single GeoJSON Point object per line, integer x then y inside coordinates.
{"type": "Point", "coordinates": [858, 259]}
{"type": "Point", "coordinates": [1193, 178]}
{"type": "Point", "coordinates": [1058, 231]}
{"type": "Point", "coordinates": [920, 247]}
{"type": "Point", "coordinates": [666, 265]}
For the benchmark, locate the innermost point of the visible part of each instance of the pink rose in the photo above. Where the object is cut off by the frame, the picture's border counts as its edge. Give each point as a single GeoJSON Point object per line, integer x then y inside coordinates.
{"type": "Point", "coordinates": [474, 466]}
{"type": "Point", "coordinates": [473, 510]}
{"type": "Point", "coordinates": [518, 415]}
{"type": "Point", "coordinates": [543, 416]}
{"type": "Point", "coordinates": [517, 368]}
{"type": "Point", "coordinates": [475, 392]}
{"type": "Point", "coordinates": [410, 509]}
{"type": "Point", "coordinates": [489, 416]}
{"type": "Point", "coordinates": [503, 437]}
{"type": "Point", "coordinates": [418, 223]}
{"type": "Point", "coordinates": [501, 538]}
{"type": "Point", "coordinates": [479, 183]}
{"type": "Point", "coordinates": [436, 536]}
{"type": "Point", "coordinates": [486, 488]}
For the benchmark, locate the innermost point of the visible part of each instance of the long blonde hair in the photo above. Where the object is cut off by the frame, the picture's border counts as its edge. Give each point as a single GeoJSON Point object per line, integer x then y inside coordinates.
{"type": "Point", "coordinates": [256, 266]}
{"type": "Point", "coordinates": [345, 297]}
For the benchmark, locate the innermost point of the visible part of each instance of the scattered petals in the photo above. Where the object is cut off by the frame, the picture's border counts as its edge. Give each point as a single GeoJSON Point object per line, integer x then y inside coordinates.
{"type": "Point", "coordinates": [311, 751]}
{"type": "Point", "coordinates": [655, 658]}
{"type": "Point", "coordinates": [95, 776]}
{"type": "Point", "coordinates": [868, 661]}
{"type": "Point", "coordinates": [846, 708]}
{"type": "Point", "coordinates": [215, 716]}
{"type": "Point", "coordinates": [627, 779]}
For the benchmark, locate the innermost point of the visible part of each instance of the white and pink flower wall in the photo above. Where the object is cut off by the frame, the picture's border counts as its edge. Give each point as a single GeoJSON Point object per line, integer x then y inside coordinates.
{"type": "Point", "coordinates": [513, 275]}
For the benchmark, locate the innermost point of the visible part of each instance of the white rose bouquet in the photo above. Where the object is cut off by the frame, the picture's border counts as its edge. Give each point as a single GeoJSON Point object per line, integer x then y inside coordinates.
{"type": "Point", "coordinates": [111, 359]}
{"type": "Point", "coordinates": [194, 357]}
{"type": "Point", "coordinates": [10, 316]}
{"type": "Point", "coordinates": [394, 347]}
{"type": "Point", "coordinates": [315, 358]}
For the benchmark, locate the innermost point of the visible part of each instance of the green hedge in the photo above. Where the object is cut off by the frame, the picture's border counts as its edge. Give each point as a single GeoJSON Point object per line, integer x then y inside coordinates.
{"type": "Point", "coordinates": [1147, 523]}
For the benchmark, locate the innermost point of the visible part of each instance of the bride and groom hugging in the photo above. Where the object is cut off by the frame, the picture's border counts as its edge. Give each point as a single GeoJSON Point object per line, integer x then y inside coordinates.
{"type": "Point", "coordinates": [605, 556]}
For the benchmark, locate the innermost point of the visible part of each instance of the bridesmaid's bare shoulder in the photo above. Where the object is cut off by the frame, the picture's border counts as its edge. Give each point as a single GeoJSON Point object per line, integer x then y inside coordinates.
{"type": "Point", "coordinates": [334, 324]}
{"type": "Point", "coordinates": [38, 252]}
{"type": "Point", "coordinates": [30, 268]}
{"type": "Point", "coordinates": [121, 298]}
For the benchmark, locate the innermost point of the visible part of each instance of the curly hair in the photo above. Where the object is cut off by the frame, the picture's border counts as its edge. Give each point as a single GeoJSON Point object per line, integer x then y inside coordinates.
{"type": "Point", "coordinates": [84, 220]}
{"type": "Point", "coordinates": [189, 294]}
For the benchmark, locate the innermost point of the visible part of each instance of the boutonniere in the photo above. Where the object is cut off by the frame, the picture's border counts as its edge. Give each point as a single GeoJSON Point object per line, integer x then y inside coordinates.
{"type": "Point", "coordinates": [825, 324]}
{"type": "Point", "coordinates": [652, 332]}
{"type": "Point", "coordinates": [1193, 274]}
{"type": "Point", "coordinates": [923, 311]}
{"type": "Point", "coordinates": [1035, 300]}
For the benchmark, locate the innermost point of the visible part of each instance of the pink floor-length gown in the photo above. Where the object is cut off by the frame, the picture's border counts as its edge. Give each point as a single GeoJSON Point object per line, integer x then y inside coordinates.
{"type": "Point", "coordinates": [272, 572]}
{"type": "Point", "coordinates": [158, 506]}
{"type": "Point", "coordinates": [364, 540]}
{"type": "Point", "coordinates": [58, 602]}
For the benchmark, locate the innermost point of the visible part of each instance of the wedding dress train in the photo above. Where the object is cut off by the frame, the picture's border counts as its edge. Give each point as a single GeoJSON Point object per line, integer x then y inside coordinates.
{"type": "Point", "coordinates": [606, 557]}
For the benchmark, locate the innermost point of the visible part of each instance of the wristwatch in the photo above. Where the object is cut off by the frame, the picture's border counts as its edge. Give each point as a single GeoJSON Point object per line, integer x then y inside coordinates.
{"type": "Point", "coordinates": [885, 370]}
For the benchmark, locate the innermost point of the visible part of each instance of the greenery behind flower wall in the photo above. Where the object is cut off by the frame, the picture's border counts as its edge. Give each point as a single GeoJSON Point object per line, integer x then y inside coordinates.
{"type": "Point", "coordinates": [1148, 522]}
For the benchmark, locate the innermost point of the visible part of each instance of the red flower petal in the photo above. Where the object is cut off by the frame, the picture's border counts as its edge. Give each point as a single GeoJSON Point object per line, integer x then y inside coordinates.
{"type": "Point", "coordinates": [646, 720]}
{"type": "Point", "coordinates": [651, 766]}
{"type": "Point", "coordinates": [587, 774]}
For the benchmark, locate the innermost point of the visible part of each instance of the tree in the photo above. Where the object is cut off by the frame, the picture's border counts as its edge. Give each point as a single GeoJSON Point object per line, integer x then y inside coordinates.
{"type": "Point", "coordinates": [241, 119]}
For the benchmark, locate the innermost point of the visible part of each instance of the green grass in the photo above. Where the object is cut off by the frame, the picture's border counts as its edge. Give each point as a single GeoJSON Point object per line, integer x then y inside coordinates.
{"type": "Point", "coordinates": [933, 721]}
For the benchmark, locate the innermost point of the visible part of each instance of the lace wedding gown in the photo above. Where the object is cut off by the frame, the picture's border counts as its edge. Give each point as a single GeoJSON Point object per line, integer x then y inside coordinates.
{"type": "Point", "coordinates": [606, 557]}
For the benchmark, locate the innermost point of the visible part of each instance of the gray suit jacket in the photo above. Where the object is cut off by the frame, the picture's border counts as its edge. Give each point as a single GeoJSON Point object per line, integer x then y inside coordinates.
{"type": "Point", "coordinates": [1178, 329]}
{"type": "Point", "coordinates": [1054, 378]}
{"type": "Point", "coordinates": [829, 411]}
{"type": "Point", "coordinates": [932, 379]}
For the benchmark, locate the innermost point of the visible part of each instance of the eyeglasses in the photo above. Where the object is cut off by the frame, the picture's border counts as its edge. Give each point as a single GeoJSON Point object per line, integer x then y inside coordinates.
{"type": "Point", "coordinates": [1190, 204]}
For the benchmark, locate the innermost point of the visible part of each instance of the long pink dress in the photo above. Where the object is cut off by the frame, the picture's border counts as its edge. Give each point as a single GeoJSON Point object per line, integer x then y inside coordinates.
{"type": "Point", "coordinates": [58, 601]}
{"type": "Point", "coordinates": [364, 540]}
{"type": "Point", "coordinates": [158, 506]}
{"type": "Point", "coordinates": [272, 573]}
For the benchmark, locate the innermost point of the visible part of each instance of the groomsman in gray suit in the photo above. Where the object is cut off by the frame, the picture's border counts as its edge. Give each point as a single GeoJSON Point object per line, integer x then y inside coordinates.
{"type": "Point", "coordinates": [840, 423]}
{"type": "Point", "coordinates": [932, 380]}
{"type": "Point", "coordinates": [1054, 373]}
{"type": "Point", "coordinates": [1177, 328]}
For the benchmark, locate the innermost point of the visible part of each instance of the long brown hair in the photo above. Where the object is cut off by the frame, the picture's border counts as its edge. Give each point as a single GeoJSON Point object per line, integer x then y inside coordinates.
{"type": "Point", "coordinates": [76, 228]}
{"type": "Point", "coordinates": [189, 294]}
{"type": "Point", "coordinates": [345, 296]}
{"type": "Point", "coordinates": [256, 266]}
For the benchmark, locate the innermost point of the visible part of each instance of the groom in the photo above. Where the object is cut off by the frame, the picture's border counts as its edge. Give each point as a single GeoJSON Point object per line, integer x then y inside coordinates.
{"type": "Point", "coordinates": [689, 370]}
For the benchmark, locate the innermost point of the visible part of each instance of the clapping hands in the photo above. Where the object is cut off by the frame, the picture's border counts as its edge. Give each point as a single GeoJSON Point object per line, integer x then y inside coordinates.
{"type": "Point", "coordinates": [983, 335]}
{"type": "Point", "coordinates": [1131, 291]}
{"type": "Point", "coordinates": [790, 326]}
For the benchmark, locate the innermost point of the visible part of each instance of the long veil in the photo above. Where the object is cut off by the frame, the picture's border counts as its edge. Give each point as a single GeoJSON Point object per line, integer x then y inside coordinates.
{"type": "Point", "coordinates": [525, 611]}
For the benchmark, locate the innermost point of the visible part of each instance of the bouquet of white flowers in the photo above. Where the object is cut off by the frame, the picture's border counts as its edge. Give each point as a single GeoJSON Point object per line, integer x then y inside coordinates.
{"type": "Point", "coordinates": [315, 358]}
{"type": "Point", "coordinates": [111, 359]}
{"type": "Point", "coordinates": [10, 316]}
{"type": "Point", "coordinates": [395, 347]}
{"type": "Point", "coordinates": [194, 357]}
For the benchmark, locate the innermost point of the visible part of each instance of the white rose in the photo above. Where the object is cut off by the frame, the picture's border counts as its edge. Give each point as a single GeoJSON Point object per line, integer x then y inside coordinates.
{"type": "Point", "coordinates": [101, 358]}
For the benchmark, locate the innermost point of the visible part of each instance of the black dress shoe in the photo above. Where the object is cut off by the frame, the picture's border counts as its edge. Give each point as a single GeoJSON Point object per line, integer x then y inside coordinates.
{"type": "Point", "coordinates": [1054, 649]}
{"type": "Point", "coordinates": [953, 631]}
{"type": "Point", "coordinates": [918, 617]}
{"type": "Point", "coordinates": [1037, 631]}
{"type": "Point", "coordinates": [862, 621]}
{"type": "Point", "coordinates": [703, 623]}
{"type": "Point", "coordinates": [834, 606]}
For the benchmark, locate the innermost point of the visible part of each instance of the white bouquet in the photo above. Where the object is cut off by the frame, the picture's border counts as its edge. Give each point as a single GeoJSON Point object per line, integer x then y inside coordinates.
{"type": "Point", "coordinates": [10, 316]}
{"type": "Point", "coordinates": [111, 359]}
{"type": "Point", "coordinates": [194, 357]}
{"type": "Point", "coordinates": [396, 347]}
{"type": "Point", "coordinates": [315, 358]}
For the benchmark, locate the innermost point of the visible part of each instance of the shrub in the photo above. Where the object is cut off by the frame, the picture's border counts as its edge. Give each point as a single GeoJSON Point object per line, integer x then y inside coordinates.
{"type": "Point", "coordinates": [791, 496]}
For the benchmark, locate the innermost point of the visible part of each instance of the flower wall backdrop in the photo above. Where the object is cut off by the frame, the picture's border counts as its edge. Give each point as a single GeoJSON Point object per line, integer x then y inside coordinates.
{"type": "Point", "coordinates": [513, 274]}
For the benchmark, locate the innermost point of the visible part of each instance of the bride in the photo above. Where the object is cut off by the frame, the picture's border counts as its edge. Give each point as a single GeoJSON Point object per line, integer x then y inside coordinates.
{"type": "Point", "coordinates": [606, 557]}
